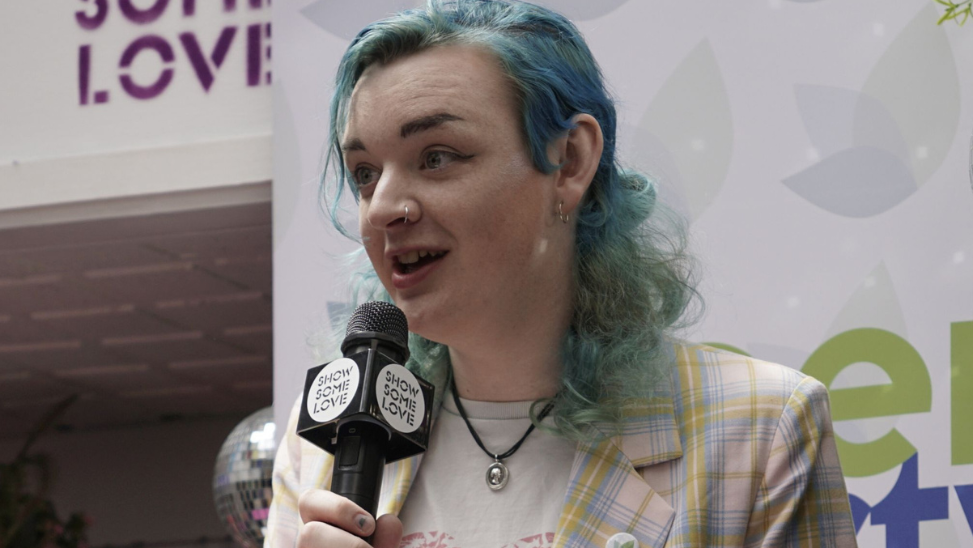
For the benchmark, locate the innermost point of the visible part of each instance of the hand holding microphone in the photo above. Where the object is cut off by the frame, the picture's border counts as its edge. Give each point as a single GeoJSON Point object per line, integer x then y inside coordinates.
{"type": "Point", "coordinates": [333, 521]}
{"type": "Point", "coordinates": [366, 409]}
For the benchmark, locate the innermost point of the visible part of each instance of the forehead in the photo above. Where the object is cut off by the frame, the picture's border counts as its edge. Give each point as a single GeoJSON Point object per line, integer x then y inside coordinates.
{"type": "Point", "coordinates": [465, 81]}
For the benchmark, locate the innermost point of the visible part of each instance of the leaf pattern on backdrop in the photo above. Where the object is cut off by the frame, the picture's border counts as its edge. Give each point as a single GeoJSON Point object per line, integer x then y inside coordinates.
{"type": "Point", "coordinates": [883, 143]}
{"type": "Point", "coordinates": [856, 182]}
{"type": "Point", "coordinates": [873, 304]}
{"type": "Point", "coordinates": [686, 134]}
{"type": "Point", "coordinates": [917, 80]}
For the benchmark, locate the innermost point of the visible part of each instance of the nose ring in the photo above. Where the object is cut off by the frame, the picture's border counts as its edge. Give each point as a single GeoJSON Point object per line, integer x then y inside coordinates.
{"type": "Point", "coordinates": [406, 215]}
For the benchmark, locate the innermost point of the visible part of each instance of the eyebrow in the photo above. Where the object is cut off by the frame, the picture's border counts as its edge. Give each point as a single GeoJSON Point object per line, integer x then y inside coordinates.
{"type": "Point", "coordinates": [411, 127]}
{"type": "Point", "coordinates": [353, 145]}
{"type": "Point", "coordinates": [426, 123]}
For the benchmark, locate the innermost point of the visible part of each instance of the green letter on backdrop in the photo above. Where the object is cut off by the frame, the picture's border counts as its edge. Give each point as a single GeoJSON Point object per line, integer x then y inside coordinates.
{"type": "Point", "coordinates": [909, 391]}
{"type": "Point", "coordinates": [961, 392]}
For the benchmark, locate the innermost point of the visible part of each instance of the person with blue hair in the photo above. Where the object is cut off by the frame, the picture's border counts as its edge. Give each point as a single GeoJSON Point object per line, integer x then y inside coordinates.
{"type": "Point", "coordinates": [542, 284]}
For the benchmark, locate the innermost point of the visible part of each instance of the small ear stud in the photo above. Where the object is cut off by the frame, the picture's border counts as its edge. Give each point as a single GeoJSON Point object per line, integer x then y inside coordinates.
{"type": "Point", "coordinates": [560, 213]}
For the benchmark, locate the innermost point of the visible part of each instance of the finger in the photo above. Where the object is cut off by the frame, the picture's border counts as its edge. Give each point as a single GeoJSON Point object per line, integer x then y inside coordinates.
{"type": "Point", "coordinates": [327, 507]}
{"type": "Point", "coordinates": [388, 532]}
{"type": "Point", "coordinates": [316, 534]}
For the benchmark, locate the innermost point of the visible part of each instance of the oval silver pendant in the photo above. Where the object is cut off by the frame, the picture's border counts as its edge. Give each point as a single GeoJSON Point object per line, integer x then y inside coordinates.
{"type": "Point", "coordinates": [497, 476]}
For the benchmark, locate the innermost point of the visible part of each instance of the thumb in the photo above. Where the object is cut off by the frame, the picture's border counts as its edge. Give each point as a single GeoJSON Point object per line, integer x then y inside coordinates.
{"type": "Point", "coordinates": [388, 532]}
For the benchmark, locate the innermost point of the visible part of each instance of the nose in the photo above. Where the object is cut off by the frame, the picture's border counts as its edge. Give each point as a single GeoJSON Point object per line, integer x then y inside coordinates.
{"type": "Point", "coordinates": [391, 203]}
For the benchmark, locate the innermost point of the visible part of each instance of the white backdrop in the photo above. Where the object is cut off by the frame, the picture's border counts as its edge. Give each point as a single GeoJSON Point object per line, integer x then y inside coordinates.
{"type": "Point", "coordinates": [821, 150]}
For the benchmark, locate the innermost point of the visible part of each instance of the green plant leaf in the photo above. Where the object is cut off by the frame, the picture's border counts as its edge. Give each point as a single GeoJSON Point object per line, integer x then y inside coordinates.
{"type": "Point", "coordinates": [957, 12]}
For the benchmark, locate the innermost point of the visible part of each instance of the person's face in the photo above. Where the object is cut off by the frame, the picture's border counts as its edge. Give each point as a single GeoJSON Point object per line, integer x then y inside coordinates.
{"type": "Point", "coordinates": [439, 132]}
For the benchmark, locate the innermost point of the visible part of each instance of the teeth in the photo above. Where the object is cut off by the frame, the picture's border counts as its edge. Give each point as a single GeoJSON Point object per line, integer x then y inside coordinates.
{"type": "Point", "coordinates": [414, 256]}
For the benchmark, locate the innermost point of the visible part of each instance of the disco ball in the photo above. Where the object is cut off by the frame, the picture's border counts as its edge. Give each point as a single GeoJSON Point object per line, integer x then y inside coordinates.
{"type": "Point", "coordinates": [242, 486]}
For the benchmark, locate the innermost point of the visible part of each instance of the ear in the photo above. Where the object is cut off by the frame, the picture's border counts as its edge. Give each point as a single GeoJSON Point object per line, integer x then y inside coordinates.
{"type": "Point", "coordinates": [579, 153]}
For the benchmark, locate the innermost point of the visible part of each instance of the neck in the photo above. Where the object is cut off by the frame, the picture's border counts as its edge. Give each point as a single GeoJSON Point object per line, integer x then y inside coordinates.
{"type": "Point", "coordinates": [510, 349]}
{"type": "Point", "coordinates": [521, 362]}
{"type": "Point", "coordinates": [505, 377]}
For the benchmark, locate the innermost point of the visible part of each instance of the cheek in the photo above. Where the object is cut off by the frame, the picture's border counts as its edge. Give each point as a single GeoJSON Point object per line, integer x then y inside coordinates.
{"type": "Point", "coordinates": [372, 241]}
{"type": "Point", "coordinates": [365, 229]}
{"type": "Point", "coordinates": [513, 235]}
{"type": "Point", "coordinates": [362, 216]}
{"type": "Point", "coordinates": [522, 208]}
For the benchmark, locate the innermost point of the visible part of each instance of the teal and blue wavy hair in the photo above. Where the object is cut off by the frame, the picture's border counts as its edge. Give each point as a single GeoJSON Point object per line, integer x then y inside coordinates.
{"type": "Point", "coordinates": [633, 277]}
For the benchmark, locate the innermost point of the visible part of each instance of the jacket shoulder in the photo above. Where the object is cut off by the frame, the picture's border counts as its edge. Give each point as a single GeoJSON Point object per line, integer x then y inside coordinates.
{"type": "Point", "coordinates": [715, 392]}
{"type": "Point", "coordinates": [707, 375]}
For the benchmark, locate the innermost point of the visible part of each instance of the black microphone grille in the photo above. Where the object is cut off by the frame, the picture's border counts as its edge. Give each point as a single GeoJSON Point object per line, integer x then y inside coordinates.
{"type": "Point", "coordinates": [379, 317]}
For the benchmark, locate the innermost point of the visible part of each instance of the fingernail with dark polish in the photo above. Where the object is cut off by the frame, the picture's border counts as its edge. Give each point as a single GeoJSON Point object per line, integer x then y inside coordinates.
{"type": "Point", "coordinates": [362, 520]}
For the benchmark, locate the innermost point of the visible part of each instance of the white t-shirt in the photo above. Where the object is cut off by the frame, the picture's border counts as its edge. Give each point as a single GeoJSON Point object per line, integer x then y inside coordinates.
{"type": "Point", "coordinates": [450, 504]}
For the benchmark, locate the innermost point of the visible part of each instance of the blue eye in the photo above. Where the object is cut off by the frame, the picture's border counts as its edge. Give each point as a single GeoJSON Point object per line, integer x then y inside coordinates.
{"type": "Point", "coordinates": [364, 176]}
{"type": "Point", "coordinates": [438, 159]}
{"type": "Point", "coordinates": [435, 159]}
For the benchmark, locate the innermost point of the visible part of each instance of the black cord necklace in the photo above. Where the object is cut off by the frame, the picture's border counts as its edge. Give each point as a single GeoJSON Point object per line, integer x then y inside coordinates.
{"type": "Point", "coordinates": [497, 473]}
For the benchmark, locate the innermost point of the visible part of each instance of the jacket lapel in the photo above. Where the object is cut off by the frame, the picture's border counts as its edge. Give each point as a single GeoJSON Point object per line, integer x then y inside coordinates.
{"type": "Point", "coordinates": [607, 495]}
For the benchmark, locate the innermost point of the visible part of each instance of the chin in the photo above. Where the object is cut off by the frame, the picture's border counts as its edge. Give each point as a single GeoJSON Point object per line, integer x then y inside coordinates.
{"type": "Point", "coordinates": [423, 321]}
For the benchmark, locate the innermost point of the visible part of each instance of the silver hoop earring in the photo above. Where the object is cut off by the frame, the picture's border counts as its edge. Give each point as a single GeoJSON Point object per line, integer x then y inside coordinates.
{"type": "Point", "coordinates": [406, 215]}
{"type": "Point", "coordinates": [560, 213]}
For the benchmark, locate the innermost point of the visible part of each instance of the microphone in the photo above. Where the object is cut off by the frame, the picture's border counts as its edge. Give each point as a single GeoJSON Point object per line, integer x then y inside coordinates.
{"type": "Point", "coordinates": [366, 408]}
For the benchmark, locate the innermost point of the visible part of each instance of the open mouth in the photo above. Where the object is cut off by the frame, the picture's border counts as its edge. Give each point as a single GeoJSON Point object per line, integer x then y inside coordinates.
{"type": "Point", "coordinates": [415, 260]}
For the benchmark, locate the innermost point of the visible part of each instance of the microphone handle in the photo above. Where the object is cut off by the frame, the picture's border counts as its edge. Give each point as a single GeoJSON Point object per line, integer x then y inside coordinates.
{"type": "Point", "coordinates": [358, 463]}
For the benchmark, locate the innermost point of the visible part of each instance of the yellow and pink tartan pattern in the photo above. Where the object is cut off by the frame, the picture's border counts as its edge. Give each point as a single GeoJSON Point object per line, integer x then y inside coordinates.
{"type": "Point", "coordinates": [734, 452]}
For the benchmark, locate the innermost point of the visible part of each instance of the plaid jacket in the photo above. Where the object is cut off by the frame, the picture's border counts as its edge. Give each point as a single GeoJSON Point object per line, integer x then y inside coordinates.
{"type": "Point", "coordinates": [737, 452]}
